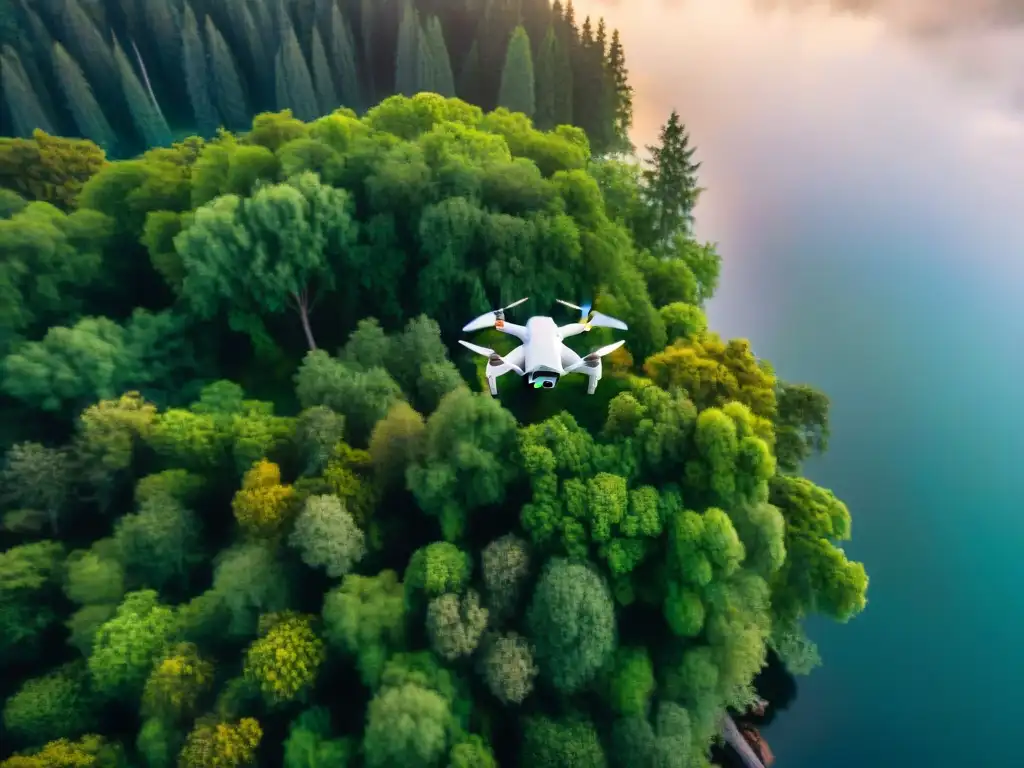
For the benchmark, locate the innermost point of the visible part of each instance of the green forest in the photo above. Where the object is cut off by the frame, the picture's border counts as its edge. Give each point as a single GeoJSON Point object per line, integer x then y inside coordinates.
{"type": "Point", "coordinates": [135, 74]}
{"type": "Point", "coordinates": [257, 507]}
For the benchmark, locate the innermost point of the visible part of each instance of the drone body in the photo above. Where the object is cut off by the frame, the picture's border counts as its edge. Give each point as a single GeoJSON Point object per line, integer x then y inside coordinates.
{"type": "Point", "coordinates": [543, 357]}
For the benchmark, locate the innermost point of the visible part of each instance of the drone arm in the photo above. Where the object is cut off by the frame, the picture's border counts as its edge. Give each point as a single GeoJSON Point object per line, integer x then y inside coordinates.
{"type": "Point", "coordinates": [572, 329]}
{"type": "Point", "coordinates": [519, 331]}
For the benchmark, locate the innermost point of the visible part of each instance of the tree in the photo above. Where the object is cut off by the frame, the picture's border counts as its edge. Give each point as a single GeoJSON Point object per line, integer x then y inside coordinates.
{"type": "Point", "coordinates": [309, 742]}
{"type": "Point", "coordinates": [177, 685]}
{"type": "Point", "coordinates": [622, 92]}
{"type": "Point", "coordinates": [28, 113]}
{"type": "Point", "coordinates": [517, 78]}
{"type": "Point", "coordinates": [54, 706]}
{"type": "Point", "coordinates": [284, 662]}
{"type": "Point", "coordinates": [93, 579]}
{"type": "Point", "coordinates": [327, 536]}
{"type": "Point", "coordinates": [81, 101]}
{"type": "Point", "coordinates": [213, 744]}
{"type": "Point", "coordinates": [671, 180]}
{"type": "Point", "coordinates": [197, 75]}
{"type": "Point", "coordinates": [455, 624]}
{"type": "Point", "coordinates": [264, 506]}
{"type": "Point", "coordinates": [126, 647]}
{"type": "Point", "coordinates": [572, 624]}
{"type": "Point", "coordinates": [343, 57]}
{"type": "Point", "coordinates": [408, 52]}
{"type": "Point", "coordinates": [159, 544]}
{"type": "Point", "coordinates": [294, 236]}
{"type": "Point", "coordinates": [37, 477]}
{"type": "Point", "coordinates": [294, 81]}
{"type": "Point", "coordinates": [463, 466]}
{"type": "Point", "coordinates": [405, 726]}
{"type": "Point", "coordinates": [572, 743]}
{"type": "Point", "coordinates": [508, 668]}
{"type": "Point", "coordinates": [505, 565]}
{"type": "Point", "coordinates": [149, 120]}
{"type": "Point", "coordinates": [228, 93]}
{"type": "Point", "coordinates": [435, 67]}
{"type": "Point", "coordinates": [323, 82]}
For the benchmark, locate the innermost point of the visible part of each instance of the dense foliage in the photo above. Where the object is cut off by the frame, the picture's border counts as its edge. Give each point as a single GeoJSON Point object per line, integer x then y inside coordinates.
{"type": "Point", "coordinates": [131, 74]}
{"type": "Point", "coordinates": [255, 511]}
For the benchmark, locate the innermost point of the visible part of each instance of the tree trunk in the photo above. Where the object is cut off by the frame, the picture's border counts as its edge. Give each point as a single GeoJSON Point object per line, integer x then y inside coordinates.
{"type": "Point", "coordinates": [302, 303]}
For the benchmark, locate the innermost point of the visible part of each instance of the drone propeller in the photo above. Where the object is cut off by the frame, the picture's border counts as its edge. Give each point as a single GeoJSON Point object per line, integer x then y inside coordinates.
{"type": "Point", "coordinates": [598, 319]}
{"type": "Point", "coordinates": [493, 357]}
{"type": "Point", "coordinates": [488, 319]}
{"type": "Point", "coordinates": [594, 358]}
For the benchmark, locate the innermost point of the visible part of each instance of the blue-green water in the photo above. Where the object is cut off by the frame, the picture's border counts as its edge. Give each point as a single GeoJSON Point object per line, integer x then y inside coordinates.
{"type": "Point", "coordinates": [867, 201]}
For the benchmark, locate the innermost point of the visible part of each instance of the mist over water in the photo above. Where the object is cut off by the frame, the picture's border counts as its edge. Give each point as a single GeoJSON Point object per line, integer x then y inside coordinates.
{"type": "Point", "coordinates": [865, 177]}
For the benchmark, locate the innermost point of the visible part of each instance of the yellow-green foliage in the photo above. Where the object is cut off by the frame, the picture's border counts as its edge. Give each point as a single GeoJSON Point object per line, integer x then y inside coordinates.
{"type": "Point", "coordinates": [284, 662]}
{"type": "Point", "coordinates": [90, 751]}
{"type": "Point", "coordinates": [177, 683]}
{"type": "Point", "coordinates": [48, 168]}
{"type": "Point", "coordinates": [263, 506]}
{"type": "Point", "coordinates": [714, 372]}
{"type": "Point", "coordinates": [222, 745]}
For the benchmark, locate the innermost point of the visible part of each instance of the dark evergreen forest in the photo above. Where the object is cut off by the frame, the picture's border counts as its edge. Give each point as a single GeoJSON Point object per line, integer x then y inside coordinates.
{"type": "Point", "coordinates": [134, 74]}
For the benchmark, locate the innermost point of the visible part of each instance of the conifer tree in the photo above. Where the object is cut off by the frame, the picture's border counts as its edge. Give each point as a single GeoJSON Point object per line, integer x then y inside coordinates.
{"type": "Point", "coordinates": [90, 48]}
{"type": "Point", "coordinates": [366, 30]}
{"type": "Point", "coordinates": [323, 83]}
{"type": "Point", "coordinates": [407, 54]}
{"type": "Point", "coordinates": [256, 56]}
{"type": "Point", "coordinates": [197, 76]}
{"type": "Point", "coordinates": [42, 40]}
{"type": "Point", "coordinates": [298, 93]}
{"type": "Point", "coordinates": [343, 59]}
{"type": "Point", "coordinates": [25, 109]}
{"type": "Point", "coordinates": [517, 80]}
{"type": "Point", "coordinates": [469, 87]}
{"type": "Point", "coordinates": [433, 45]}
{"type": "Point", "coordinates": [164, 23]}
{"type": "Point", "coordinates": [146, 115]}
{"type": "Point", "coordinates": [671, 180]}
{"type": "Point", "coordinates": [83, 105]}
{"type": "Point", "coordinates": [228, 92]}
{"type": "Point", "coordinates": [546, 81]}
{"type": "Point", "coordinates": [622, 93]}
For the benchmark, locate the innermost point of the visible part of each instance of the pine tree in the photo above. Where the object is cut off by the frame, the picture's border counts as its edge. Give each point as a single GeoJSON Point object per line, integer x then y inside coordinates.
{"type": "Point", "coordinates": [670, 180]}
{"type": "Point", "coordinates": [323, 84]}
{"type": "Point", "coordinates": [343, 58]}
{"type": "Point", "coordinates": [407, 55]}
{"type": "Point", "coordinates": [469, 87]}
{"type": "Point", "coordinates": [500, 18]}
{"type": "Point", "coordinates": [366, 33]}
{"type": "Point", "coordinates": [25, 109]}
{"type": "Point", "coordinates": [164, 22]}
{"type": "Point", "coordinates": [546, 81]}
{"type": "Point", "coordinates": [517, 80]}
{"type": "Point", "coordinates": [622, 93]}
{"type": "Point", "coordinates": [43, 77]}
{"type": "Point", "coordinates": [228, 91]}
{"type": "Point", "coordinates": [197, 76]}
{"type": "Point", "coordinates": [250, 40]}
{"type": "Point", "coordinates": [90, 48]}
{"type": "Point", "coordinates": [298, 93]}
{"type": "Point", "coordinates": [441, 79]}
{"type": "Point", "coordinates": [83, 105]}
{"type": "Point", "coordinates": [146, 115]}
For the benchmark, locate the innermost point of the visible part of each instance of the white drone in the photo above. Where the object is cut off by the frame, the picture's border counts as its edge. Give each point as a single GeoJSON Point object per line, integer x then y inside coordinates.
{"type": "Point", "coordinates": [542, 355]}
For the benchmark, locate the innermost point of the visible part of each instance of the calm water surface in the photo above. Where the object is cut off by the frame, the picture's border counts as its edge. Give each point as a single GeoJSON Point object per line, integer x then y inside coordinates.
{"type": "Point", "coordinates": [867, 193]}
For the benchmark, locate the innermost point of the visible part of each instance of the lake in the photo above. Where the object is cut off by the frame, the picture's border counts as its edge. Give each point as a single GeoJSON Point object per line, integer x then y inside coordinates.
{"type": "Point", "coordinates": [866, 186]}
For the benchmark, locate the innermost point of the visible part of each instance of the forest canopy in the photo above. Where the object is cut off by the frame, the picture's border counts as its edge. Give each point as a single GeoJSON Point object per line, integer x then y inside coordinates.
{"type": "Point", "coordinates": [258, 511]}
